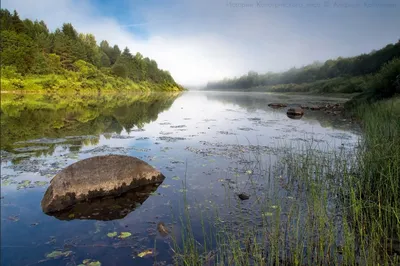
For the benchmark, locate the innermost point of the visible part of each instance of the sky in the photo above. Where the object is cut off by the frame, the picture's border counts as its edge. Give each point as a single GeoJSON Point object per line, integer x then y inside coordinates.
{"type": "Point", "coordinates": [206, 40]}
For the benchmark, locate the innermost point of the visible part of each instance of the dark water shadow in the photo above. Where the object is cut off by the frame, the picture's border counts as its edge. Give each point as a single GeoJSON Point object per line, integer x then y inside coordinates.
{"type": "Point", "coordinates": [109, 208]}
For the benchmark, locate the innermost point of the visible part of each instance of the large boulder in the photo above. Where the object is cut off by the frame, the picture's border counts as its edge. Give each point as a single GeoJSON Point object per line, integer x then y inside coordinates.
{"type": "Point", "coordinates": [95, 177]}
{"type": "Point", "coordinates": [107, 208]}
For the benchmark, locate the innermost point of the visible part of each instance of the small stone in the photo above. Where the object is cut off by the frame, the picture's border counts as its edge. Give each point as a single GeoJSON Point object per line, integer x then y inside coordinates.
{"type": "Point", "coordinates": [243, 196]}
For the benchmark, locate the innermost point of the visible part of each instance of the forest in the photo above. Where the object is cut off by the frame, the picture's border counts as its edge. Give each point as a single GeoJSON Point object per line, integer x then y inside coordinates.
{"type": "Point", "coordinates": [376, 73]}
{"type": "Point", "coordinates": [33, 58]}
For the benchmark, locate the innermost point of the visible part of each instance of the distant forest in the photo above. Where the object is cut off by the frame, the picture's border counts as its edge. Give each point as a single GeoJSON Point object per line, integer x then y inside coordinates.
{"type": "Point", "coordinates": [29, 48]}
{"type": "Point", "coordinates": [344, 75]}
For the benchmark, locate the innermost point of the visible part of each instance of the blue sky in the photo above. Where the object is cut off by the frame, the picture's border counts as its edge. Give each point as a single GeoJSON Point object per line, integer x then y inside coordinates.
{"type": "Point", "coordinates": [202, 40]}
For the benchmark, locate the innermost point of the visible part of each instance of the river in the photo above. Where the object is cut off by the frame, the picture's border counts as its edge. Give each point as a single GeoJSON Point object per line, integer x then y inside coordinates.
{"type": "Point", "coordinates": [211, 146]}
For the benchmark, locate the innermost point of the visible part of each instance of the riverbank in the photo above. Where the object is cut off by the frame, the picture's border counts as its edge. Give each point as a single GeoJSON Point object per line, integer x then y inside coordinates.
{"type": "Point", "coordinates": [341, 207]}
{"type": "Point", "coordinates": [73, 82]}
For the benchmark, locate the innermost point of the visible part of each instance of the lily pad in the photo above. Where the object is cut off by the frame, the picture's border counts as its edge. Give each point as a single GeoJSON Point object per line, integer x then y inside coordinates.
{"type": "Point", "coordinates": [145, 253]}
{"type": "Point", "coordinates": [274, 207]}
{"type": "Point", "coordinates": [113, 234]}
{"type": "Point", "coordinates": [89, 262]}
{"type": "Point", "coordinates": [124, 235]}
{"type": "Point", "coordinates": [24, 184]}
{"type": "Point", "coordinates": [58, 254]}
{"type": "Point", "coordinates": [41, 183]}
{"type": "Point", "coordinates": [176, 178]}
{"type": "Point", "coordinates": [165, 186]}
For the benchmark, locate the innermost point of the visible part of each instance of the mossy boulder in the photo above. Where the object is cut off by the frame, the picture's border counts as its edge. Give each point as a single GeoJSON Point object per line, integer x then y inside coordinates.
{"type": "Point", "coordinates": [96, 177]}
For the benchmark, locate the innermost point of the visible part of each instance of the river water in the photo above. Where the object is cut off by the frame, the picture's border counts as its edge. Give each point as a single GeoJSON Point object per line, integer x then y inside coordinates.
{"type": "Point", "coordinates": [209, 145]}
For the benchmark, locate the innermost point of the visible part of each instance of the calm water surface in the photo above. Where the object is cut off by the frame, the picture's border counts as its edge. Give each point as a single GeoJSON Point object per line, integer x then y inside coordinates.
{"type": "Point", "coordinates": [214, 142]}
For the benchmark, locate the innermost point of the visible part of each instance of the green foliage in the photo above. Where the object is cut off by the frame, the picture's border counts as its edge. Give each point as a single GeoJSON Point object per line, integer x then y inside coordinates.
{"type": "Point", "coordinates": [31, 49]}
{"type": "Point", "coordinates": [10, 72]}
{"type": "Point", "coordinates": [386, 83]}
{"type": "Point", "coordinates": [120, 70]}
{"type": "Point", "coordinates": [359, 66]}
{"type": "Point", "coordinates": [17, 50]}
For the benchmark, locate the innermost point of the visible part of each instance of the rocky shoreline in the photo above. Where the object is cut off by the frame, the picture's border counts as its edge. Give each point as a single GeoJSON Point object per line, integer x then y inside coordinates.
{"type": "Point", "coordinates": [330, 109]}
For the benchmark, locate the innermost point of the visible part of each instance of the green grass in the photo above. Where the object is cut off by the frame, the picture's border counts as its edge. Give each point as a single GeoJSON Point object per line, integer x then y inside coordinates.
{"type": "Point", "coordinates": [70, 81]}
{"type": "Point", "coordinates": [341, 207]}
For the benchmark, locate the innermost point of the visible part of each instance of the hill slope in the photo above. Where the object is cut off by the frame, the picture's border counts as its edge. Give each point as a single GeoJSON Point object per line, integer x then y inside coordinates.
{"type": "Point", "coordinates": [34, 58]}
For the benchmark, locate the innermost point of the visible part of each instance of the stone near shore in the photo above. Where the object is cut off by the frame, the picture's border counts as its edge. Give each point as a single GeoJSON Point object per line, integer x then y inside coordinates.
{"type": "Point", "coordinates": [295, 111]}
{"type": "Point", "coordinates": [96, 177]}
{"type": "Point", "coordinates": [277, 105]}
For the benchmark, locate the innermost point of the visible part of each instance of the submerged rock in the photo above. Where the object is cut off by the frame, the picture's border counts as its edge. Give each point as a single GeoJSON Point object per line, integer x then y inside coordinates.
{"type": "Point", "coordinates": [277, 105]}
{"type": "Point", "coordinates": [96, 177]}
{"type": "Point", "coordinates": [243, 196]}
{"type": "Point", "coordinates": [295, 113]}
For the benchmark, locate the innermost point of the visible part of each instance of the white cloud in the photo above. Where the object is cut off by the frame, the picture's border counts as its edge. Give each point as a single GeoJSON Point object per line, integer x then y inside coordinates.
{"type": "Point", "coordinates": [198, 41]}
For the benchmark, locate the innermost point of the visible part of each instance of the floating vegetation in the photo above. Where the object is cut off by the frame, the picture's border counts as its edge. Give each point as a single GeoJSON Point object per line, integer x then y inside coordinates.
{"type": "Point", "coordinates": [226, 133]}
{"type": "Point", "coordinates": [41, 183]}
{"type": "Point", "coordinates": [25, 184]}
{"type": "Point", "coordinates": [245, 128]}
{"type": "Point", "coordinates": [175, 178]}
{"type": "Point", "coordinates": [117, 136]}
{"type": "Point", "coordinates": [170, 139]}
{"type": "Point", "coordinates": [8, 182]}
{"type": "Point", "coordinates": [166, 133]}
{"type": "Point", "coordinates": [113, 234]}
{"type": "Point", "coordinates": [124, 235]}
{"type": "Point", "coordinates": [145, 253]}
{"type": "Point", "coordinates": [90, 262]}
{"type": "Point", "coordinates": [106, 149]}
{"type": "Point", "coordinates": [58, 254]}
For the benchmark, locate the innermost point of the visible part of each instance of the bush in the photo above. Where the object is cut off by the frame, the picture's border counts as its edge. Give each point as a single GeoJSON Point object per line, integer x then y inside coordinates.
{"type": "Point", "coordinates": [385, 84]}
{"type": "Point", "coordinates": [120, 71]}
{"type": "Point", "coordinates": [10, 72]}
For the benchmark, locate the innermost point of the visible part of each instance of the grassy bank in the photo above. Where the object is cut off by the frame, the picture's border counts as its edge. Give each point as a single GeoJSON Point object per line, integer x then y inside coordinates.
{"type": "Point", "coordinates": [336, 207]}
{"type": "Point", "coordinates": [86, 80]}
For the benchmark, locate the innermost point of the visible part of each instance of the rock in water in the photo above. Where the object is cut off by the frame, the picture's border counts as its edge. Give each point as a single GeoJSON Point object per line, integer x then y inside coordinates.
{"type": "Point", "coordinates": [99, 176]}
{"type": "Point", "coordinates": [243, 196]}
{"type": "Point", "coordinates": [295, 113]}
{"type": "Point", "coordinates": [277, 105]}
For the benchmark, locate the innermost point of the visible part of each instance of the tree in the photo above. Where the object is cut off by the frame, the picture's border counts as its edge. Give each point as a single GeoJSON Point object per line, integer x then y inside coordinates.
{"type": "Point", "coordinates": [17, 50]}
{"type": "Point", "coordinates": [120, 71]}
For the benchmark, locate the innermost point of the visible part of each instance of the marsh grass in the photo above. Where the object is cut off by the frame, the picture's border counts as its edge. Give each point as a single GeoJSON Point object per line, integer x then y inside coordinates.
{"type": "Point", "coordinates": [332, 207]}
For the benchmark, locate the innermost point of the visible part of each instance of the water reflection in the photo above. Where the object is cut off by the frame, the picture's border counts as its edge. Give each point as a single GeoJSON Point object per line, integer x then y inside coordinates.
{"type": "Point", "coordinates": [108, 208]}
{"type": "Point", "coordinates": [34, 116]}
{"type": "Point", "coordinates": [259, 101]}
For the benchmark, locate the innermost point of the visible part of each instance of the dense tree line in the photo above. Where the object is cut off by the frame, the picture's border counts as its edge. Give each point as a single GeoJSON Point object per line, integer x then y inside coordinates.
{"type": "Point", "coordinates": [30, 48]}
{"type": "Point", "coordinates": [361, 65]}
